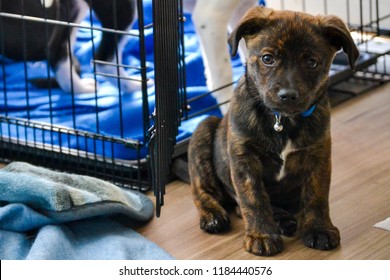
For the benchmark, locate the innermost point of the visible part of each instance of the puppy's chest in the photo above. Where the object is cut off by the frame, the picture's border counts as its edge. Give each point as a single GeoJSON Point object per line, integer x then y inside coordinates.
{"type": "Point", "coordinates": [287, 151]}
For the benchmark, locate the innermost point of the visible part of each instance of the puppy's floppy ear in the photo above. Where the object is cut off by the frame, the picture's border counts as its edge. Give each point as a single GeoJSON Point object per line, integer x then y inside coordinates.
{"type": "Point", "coordinates": [338, 35]}
{"type": "Point", "coordinates": [250, 23]}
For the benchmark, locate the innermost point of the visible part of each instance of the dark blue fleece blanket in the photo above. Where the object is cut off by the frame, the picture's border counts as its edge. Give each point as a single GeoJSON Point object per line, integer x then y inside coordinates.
{"type": "Point", "coordinates": [79, 111]}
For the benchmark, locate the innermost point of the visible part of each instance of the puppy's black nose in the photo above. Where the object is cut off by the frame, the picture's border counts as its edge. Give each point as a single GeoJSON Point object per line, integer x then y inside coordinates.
{"type": "Point", "coordinates": [288, 95]}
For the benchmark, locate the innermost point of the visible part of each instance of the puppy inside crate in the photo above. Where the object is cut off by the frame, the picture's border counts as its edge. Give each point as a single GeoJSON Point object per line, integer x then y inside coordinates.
{"type": "Point", "coordinates": [32, 40]}
{"type": "Point", "coordinates": [48, 32]}
{"type": "Point", "coordinates": [270, 155]}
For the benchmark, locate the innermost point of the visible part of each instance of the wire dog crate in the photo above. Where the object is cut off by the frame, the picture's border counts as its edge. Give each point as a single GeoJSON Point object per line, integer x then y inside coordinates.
{"type": "Point", "coordinates": [130, 138]}
{"type": "Point", "coordinates": [104, 133]}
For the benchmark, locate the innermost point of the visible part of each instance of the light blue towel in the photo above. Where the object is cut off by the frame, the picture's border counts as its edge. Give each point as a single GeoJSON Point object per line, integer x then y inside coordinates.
{"type": "Point", "coordinates": [52, 215]}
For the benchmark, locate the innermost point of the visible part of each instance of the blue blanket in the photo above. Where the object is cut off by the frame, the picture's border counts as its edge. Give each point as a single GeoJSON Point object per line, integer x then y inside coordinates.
{"type": "Point", "coordinates": [51, 215]}
{"type": "Point", "coordinates": [79, 112]}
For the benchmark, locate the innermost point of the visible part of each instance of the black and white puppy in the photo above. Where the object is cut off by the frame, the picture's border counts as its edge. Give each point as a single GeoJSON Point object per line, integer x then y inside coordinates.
{"type": "Point", "coordinates": [38, 40]}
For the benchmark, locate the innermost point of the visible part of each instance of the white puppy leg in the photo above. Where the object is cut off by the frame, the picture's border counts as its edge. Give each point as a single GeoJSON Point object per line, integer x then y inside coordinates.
{"type": "Point", "coordinates": [70, 81]}
{"type": "Point", "coordinates": [47, 3]}
{"type": "Point", "coordinates": [211, 19]}
{"type": "Point", "coordinates": [67, 77]}
{"type": "Point", "coordinates": [237, 15]}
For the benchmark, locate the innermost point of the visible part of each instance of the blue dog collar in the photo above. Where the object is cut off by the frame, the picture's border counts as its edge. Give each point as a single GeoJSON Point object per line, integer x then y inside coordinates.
{"type": "Point", "coordinates": [308, 112]}
{"type": "Point", "coordinates": [278, 127]}
{"type": "Point", "coordinates": [305, 114]}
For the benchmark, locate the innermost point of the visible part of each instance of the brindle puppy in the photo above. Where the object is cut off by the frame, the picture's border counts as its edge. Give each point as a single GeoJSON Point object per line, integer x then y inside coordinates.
{"type": "Point", "coordinates": [272, 152]}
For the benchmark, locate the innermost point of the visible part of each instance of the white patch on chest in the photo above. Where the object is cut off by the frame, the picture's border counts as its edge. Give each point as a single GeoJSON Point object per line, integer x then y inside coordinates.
{"type": "Point", "coordinates": [47, 3]}
{"type": "Point", "coordinates": [289, 148]}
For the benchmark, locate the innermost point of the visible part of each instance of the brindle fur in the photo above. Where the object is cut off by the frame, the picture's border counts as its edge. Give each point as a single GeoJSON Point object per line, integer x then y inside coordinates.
{"type": "Point", "coordinates": [238, 157]}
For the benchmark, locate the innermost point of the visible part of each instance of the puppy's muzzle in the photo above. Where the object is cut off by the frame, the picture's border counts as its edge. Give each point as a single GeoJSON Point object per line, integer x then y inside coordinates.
{"type": "Point", "coordinates": [288, 96]}
{"type": "Point", "coordinates": [289, 101]}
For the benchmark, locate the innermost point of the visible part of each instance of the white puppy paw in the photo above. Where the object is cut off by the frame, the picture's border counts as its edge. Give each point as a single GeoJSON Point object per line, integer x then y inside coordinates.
{"type": "Point", "coordinates": [69, 81]}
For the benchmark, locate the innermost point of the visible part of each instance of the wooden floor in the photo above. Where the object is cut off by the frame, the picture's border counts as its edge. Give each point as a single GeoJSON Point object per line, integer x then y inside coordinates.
{"type": "Point", "coordinates": [359, 198]}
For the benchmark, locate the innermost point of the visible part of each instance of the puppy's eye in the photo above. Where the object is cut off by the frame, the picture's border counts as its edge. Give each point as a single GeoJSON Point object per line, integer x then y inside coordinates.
{"type": "Point", "coordinates": [311, 63]}
{"type": "Point", "coordinates": [268, 59]}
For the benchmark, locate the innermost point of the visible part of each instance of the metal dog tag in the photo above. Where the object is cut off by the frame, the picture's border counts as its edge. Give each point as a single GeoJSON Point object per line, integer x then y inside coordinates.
{"type": "Point", "coordinates": [278, 126]}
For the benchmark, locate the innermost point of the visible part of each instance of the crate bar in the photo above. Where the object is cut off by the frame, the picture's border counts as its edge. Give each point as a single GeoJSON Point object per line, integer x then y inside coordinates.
{"type": "Point", "coordinates": [182, 66]}
{"type": "Point", "coordinates": [143, 68]}
{"type": "Point", "coordinates": [64, 23]}
{"type": "Point", "coordinates": [166, 51]}
{"type": "Point", "coordinates": [127, 173]}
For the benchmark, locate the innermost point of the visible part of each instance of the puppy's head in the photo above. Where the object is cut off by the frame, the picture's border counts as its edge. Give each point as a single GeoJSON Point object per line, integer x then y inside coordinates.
{"type": "Point", "coordinates": [289, 55]}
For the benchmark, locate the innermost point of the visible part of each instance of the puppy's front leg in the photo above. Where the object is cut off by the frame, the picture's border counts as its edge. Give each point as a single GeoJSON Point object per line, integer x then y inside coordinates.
{"type": "Point", "coordinates": [317, 230]}
{"type": "Point", "coordinates": [262, 234]}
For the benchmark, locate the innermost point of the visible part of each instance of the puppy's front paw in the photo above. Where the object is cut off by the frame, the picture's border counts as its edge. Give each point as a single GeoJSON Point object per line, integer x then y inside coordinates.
{"type": "Point", "coordinates": [322, 238]}
{"type": "Point", "coordinates": [214, 221]}
{"type": "Point", "coordinates": [263, 244]}
{"type": "Point", "coordinates": [84, 85]}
